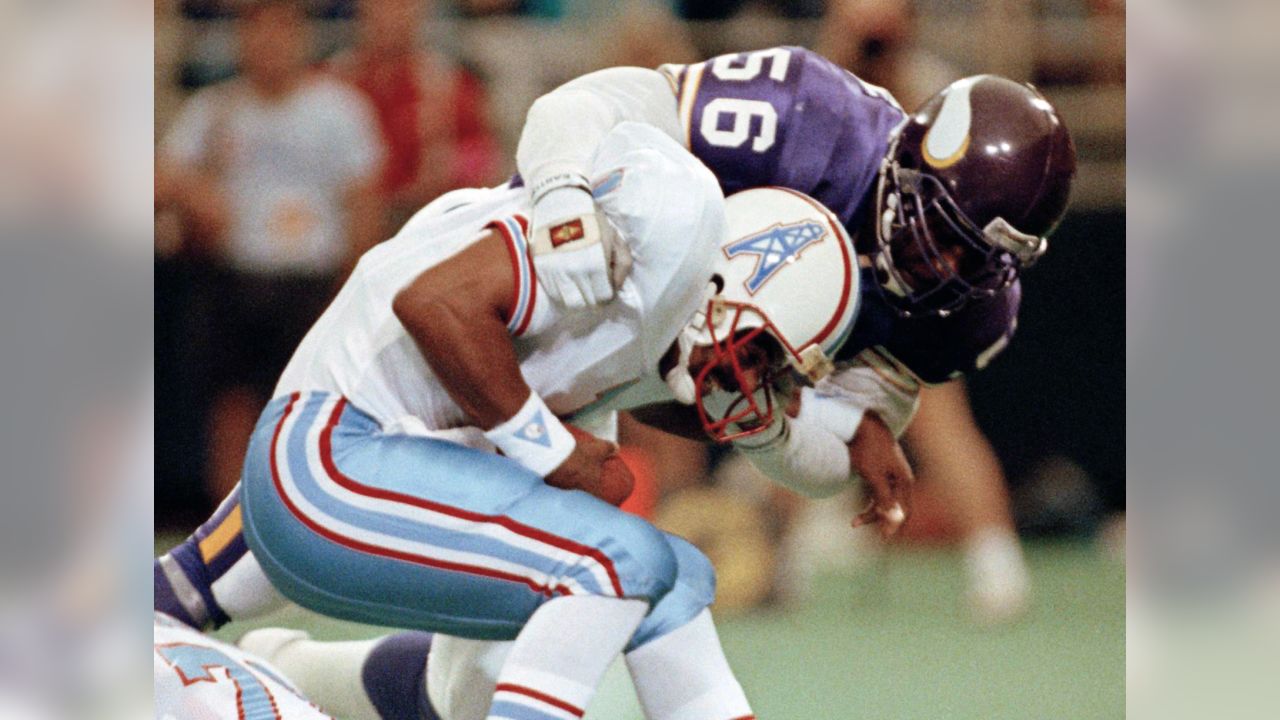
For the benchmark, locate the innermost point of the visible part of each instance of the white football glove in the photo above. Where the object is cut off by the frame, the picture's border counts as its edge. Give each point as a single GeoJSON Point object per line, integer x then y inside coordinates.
{"type": "Point", "coordinates": [579, 258]}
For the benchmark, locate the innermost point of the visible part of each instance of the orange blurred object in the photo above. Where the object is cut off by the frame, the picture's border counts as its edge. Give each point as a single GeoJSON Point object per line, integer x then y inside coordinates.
{"type": "Point", "coordinates": [644, 494]}
{"type": "Point", "coordinates": [931, 520]}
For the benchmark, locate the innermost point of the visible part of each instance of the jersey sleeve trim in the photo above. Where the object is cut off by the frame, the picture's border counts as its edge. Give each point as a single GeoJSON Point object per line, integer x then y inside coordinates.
{"type": "Point", "coordinates": [690, 83]}
{"type": "Point", "coordinates": [889, 368]}
{"type": "Point", "coordinates": [673, 74]}
{"type": "Point", "coordinates": [525, 290]}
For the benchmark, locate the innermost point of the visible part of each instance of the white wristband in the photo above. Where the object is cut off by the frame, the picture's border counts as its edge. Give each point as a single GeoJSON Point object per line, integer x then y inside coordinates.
{"type": "Point", "coordinates": [533, 437]}
{"type": "Point", "coordinates": [557, 181]}
{"type": "Point", "coordinates": [561, 203]}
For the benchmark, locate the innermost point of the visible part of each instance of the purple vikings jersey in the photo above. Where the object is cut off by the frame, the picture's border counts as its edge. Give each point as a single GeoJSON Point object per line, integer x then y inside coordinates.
{"type": "Point", "coordinates": [787, 116]}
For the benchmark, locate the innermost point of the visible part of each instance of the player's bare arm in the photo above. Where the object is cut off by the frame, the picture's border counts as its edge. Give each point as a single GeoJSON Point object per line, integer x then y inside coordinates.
{"type": "Point", "coordinates": [456, 313]}
{"type": "Point", "coordinates": [877, 457]}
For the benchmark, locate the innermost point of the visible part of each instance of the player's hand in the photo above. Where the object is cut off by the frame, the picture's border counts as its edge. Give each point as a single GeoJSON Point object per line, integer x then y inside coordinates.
{"type": "Point", "coordinates": [577, 254]}
{"type": "Point", "coordinates": [874, 453]}
{"type": "Point", "coordinates": [595, 467]}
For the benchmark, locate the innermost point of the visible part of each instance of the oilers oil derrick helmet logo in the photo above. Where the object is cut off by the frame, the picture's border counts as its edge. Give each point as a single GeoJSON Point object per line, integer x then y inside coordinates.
{"type": "Point", "coordinates": [787, 272]}
{"type": "Point", "coordinates": [973, 184]}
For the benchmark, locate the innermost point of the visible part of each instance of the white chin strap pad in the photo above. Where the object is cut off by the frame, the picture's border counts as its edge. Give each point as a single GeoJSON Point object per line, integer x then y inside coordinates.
{"type": "Point", "coordinates": [678, 378]}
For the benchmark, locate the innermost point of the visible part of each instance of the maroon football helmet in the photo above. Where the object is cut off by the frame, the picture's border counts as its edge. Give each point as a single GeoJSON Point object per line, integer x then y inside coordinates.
{"type": "Point", "coordinates": [973, 184]}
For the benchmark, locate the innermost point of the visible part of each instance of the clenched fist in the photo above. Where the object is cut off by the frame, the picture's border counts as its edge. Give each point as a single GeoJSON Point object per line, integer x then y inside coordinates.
{"type": "Point", "coordinates": [579, 258]}
{"type": "Point", "coordinates": [595, 467]}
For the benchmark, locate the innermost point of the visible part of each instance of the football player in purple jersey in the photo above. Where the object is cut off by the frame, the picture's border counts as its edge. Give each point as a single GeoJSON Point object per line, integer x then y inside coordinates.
{"type": "Point", "coordinates": [947, 206]}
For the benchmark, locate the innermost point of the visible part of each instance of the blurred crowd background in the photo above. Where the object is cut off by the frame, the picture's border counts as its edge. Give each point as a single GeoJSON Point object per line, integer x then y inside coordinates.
{"type": "Point", "coordinates": [1203, 566]}
{"type": "Point", "coordinates": [371, 108]}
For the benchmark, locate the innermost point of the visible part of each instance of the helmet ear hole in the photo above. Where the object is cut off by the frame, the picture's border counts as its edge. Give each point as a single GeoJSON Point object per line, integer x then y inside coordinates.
{"type": "Point", "coordinates": [718, 280]}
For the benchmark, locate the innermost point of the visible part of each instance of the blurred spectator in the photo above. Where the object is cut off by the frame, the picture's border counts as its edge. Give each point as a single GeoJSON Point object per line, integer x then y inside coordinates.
{"type": "Point", "coordinates": [484, 8]}
{"type": "Point", "coordinates": [875, 40]}
{"type": "Point", "coordinates": [722, 9]}
{"type": "Point", "coordinates": [677, 462]}
{"type": "Point", "coordinates": [541, 9]}
{"type": "Point", "coordinates": [954, 459]}
{"type": "Point", "coordinates": [207, 9]}
{"type": "Point", "coordinates": [646, 34]}
{"type": "Point", "coordinates": [218, 9]}
{"type": "Point", "coordinates": [432, 114]}
{"type": "Point", "coordinates": [273, 173]}
{"type": "Point", "coordinates": [1078, 42]}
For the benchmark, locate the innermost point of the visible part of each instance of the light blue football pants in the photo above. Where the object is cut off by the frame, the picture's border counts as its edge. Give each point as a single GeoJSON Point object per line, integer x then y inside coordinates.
{"type": "Point", "coordinates": [421, 533]}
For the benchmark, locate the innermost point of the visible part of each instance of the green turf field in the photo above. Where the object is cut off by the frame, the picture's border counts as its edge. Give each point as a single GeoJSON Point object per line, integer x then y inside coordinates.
{"type": "Point", "coordinates": [892, 644]}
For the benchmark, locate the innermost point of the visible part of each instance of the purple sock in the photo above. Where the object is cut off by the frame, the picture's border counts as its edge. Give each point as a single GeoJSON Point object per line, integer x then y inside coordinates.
{"type": "Point", "coordinates": [184, 576]}
{"type": "Point", "coordinates": [395, 677]}
{"type": "Point", "coordinates": [166, 600]}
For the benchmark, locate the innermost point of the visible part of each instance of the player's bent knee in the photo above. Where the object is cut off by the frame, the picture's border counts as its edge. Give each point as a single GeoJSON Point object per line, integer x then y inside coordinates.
{"type": "Point", "coordinates": [694, 590]}
{"type": "Point", "coordinates": [650, 563]}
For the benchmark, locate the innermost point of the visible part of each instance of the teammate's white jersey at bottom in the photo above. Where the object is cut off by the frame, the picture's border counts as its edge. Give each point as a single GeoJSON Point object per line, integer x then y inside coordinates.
{"type": "Point", "coordinates": [199, 678]}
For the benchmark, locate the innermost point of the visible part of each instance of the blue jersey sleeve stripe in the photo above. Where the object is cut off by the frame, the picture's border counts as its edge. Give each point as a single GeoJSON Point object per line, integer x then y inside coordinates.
{"type": "Point", "coordinates": [517, 250]}
{"type": "Point", "coordinates": [519, 320]}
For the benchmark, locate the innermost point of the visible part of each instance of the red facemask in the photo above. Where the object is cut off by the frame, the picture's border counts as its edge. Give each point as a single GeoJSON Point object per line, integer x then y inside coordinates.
{"type": "Point", "coordinates": [740, 367]}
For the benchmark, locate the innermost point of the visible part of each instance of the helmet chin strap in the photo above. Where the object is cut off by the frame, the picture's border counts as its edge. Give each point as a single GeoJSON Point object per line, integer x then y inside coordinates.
{"type": "Point", "coordinates": [1026, 248]}
{"type": "Point", "coordinates": [883, 259]}
{"type": "Point", "coordinates": [678, 378]}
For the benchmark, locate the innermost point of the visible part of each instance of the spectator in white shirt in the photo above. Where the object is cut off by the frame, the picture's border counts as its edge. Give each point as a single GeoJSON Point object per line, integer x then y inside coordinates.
{"type": "Point", "coordinates": [275, 175]}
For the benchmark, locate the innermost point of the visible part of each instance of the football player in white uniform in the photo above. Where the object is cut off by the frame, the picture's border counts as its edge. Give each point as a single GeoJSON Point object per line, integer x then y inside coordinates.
{"type": "Point", "coordinates": [199, 678]}
{"type": "Point", "coordinates": [371, 491]}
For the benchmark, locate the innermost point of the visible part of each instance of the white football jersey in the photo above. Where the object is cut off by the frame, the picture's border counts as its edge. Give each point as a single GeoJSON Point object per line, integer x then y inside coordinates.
{"type": "Point", "coordinates": [200, 678]}
{"type": "Point", "coordinates": [667, 208]}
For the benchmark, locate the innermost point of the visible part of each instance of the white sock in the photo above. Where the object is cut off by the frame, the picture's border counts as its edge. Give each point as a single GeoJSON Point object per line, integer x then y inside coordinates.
{"type": "Point", "coordinates": [994, 554]}
{"type": "Point", "coordinates": [327, 673]}
{"type": "Point", "coordinates": [560, 656]}
{"type": "Point", "coordinates": [244, 592]}
{"type": "Point", "coordinates": [461, 675]}
{"type": "Point", "coordinates": [684, 675]}
{"type": "Point", "coordinates": [999, 584]}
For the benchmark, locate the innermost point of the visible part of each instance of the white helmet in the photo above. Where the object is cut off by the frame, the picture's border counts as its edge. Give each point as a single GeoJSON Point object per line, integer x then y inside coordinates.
{"type": "Point", "coordinates": [786, 268]}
